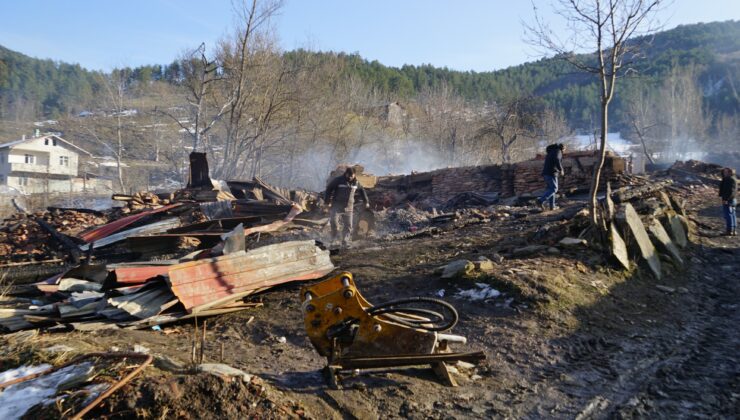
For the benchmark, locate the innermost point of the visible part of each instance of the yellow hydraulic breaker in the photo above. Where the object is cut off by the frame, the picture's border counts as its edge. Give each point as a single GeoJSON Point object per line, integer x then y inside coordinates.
{"type": "Point", "coordinates": [353, 334]}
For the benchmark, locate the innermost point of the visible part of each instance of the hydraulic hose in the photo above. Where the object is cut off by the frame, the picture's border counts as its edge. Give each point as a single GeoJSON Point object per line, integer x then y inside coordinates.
{"type": "Point", "coordinates": [395, 310]}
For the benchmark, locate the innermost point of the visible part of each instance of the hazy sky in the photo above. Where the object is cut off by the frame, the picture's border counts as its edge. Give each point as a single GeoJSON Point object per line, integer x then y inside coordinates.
{"type": "Point", "coordinates": [479, 35]}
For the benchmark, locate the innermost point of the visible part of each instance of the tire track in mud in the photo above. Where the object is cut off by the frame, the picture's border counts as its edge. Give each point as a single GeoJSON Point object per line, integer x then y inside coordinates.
{"type": "Point", "coordinates": [705, 380]}
{"type": "Point", "coordinates": [687, 367]}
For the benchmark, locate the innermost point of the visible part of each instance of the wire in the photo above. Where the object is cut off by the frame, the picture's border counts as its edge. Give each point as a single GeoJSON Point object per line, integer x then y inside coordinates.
{"type": "Point", "coordinates": [395, 311]}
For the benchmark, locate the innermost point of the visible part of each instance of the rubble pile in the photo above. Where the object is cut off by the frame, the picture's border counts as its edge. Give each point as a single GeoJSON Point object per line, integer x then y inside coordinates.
{"type": "Point", "coordinates": [578, 166]}
{"type": "Point", "coordinates": [402, 219]}
{"type": "Point", "coordinates": [164, 257]}
{"type": "Point", "coordinates": [23, 239]}
{"type": "Point", "coordinates": [143, 200]}
{"type": "Point", "coordinates": [435, 188]}
{"type": "Point", "coordinates": [697, 167]}
{"type": "Point", "coordinates": [140, 295]}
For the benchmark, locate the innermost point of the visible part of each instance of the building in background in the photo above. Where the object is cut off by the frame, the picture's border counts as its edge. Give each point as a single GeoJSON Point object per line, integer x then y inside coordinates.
{"type": "Point", "coordinates": [46, 164]}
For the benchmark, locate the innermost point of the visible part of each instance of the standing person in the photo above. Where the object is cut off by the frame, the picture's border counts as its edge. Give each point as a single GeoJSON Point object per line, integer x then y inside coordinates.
{"type": "Point", "coordinates": [340, 197]}
{"type": "Point", "coordinates": [727, 189]}
{"type": "Point", "coordinates": [553, 167]}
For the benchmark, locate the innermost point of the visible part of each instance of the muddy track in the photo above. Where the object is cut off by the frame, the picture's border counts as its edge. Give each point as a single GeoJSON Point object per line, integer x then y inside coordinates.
{"type": "Point", "coordinates": [685, 365]}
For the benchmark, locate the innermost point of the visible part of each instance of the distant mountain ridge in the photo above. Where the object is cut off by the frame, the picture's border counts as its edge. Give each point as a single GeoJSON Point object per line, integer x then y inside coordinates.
{"type": "Point", "coordinates": [34, 88]}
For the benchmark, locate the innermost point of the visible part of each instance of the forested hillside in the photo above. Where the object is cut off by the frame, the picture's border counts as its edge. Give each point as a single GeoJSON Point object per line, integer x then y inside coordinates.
{"type": "Point", "coordinates": [32, 88]}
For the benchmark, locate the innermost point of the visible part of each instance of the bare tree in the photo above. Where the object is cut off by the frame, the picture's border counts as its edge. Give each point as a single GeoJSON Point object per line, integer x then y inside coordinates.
{"type": "Point", "coordinates": [681, 111]}
{"type": "Point", "coordinates": [514, 120]}
{"type": "Point", "coordinates": [642, 119]}
{"type": "Point", "coordinates": [606, 29]}
{"type": "Point", "coordinates": [444, 121]}
{"type": "Point", "coordinates": [255, 88]}
{"type": "Point", "coordinates": [115, 84]}
{"type": "Point", "coordinates": [200, 74]}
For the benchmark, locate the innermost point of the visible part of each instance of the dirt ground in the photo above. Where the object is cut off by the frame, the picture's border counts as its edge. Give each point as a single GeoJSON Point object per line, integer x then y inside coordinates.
{"type": "Point", "coordinates": [568, 339]}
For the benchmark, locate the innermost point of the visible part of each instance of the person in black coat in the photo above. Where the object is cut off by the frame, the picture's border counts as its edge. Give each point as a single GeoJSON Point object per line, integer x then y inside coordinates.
{"type": "Point", "coordinates": [727, 189]}
{"type": "Point", "coordinates": [340, 198]}
{"type": "Point", "coordinates": [552, 168]}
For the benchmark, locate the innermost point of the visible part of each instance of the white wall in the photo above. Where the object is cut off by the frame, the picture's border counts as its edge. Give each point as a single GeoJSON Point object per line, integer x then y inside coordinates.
{"type": "Point", "coordinates": [74, 185]}
{"type": "Point", "coordinates": [47, 157]}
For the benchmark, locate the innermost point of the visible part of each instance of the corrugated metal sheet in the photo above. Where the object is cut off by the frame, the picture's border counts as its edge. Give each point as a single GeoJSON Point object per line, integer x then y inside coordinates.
{"type": "Point", "coordinates": [113, 227]}
{"type": "Point", "coordinates": [209, 283]}
{"type": "Point", "coordinates": [145, 303]}
{"type": "Point", "coordinates": [138, 275]}
{"type": "Point", "coordinates": [156, 227]}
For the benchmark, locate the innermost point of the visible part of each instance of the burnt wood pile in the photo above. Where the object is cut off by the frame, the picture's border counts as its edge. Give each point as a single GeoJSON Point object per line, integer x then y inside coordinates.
{"type": "Point", "coordinates": [523, 178]}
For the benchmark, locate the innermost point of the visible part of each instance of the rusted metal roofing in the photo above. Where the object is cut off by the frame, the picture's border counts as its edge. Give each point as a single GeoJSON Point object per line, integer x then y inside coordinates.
{"type": "Point", "coordinates": [138, 275]}
{"type": "Point", "coordinates": [113, 227]}
{"type": "Point", "coordinates": [208, 283]}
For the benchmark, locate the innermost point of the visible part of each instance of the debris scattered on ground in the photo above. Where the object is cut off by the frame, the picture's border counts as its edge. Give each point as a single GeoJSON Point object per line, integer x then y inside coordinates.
{"type": "Point", "coordinates": [482, 291]}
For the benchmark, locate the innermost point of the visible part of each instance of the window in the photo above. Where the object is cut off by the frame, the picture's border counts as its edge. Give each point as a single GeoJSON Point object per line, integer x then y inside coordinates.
{"type": "Point", "coordinates": [23, 181]}
{"type": "Point", "coordinates": [46, 142]}
{"type": "Point", "coordinates": [64, 160]}
{"type": "Point", "coordinates": [54, 142]}
{"type": "Point", "coordinates": [30, 159]}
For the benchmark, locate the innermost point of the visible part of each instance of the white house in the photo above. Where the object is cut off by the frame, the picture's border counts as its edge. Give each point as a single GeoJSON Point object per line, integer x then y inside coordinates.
{"type": "Point", "coordinates": [43, 164]}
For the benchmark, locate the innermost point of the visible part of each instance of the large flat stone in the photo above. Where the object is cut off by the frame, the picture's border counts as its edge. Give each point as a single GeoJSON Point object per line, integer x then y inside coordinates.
{"type": "Point", "coordinates": [678, 205]}
{"type": "Point", "coordinates": [645, 246]}
{"type": "Point", "coordinates": [663, 242]}
{"type": "Point", "coordinates": [618, 247]}
{"type": "Point", "coordinates": [673, 225]}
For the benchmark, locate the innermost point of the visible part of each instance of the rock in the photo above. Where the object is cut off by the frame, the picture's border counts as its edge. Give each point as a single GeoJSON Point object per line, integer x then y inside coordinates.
{"type": "Point", "coordinates": [528, 250]}
{"type": "Point", "coordinates": [572, 242]}
{"type": "Point", "coordinates": [665, 288]}
{"type": "Point", "coordinates": [458, 268]}
{"type": "Point", "coordinates": [483, 264]}
{"type": "Point", "coordinates": [138, 348]}
{"type": "Point", "coordinates": [464, 365]}
{"type": "Point", "coordinates": [58, 348]}
{"type": "Point", "coordinates": [663, 241]}
{"type": "Point", "coordinates": [675, 228]}
{"type": "Point", "coordinates": [220, 369]}
{"type": "Point", "coordinates": [618, 247]}
{"type": "Point", "coordinates": [646, 247]}
{"type": "Point", "coordinates": [497, 258]}
{"type": "Point", "coordinates": [552, 250]}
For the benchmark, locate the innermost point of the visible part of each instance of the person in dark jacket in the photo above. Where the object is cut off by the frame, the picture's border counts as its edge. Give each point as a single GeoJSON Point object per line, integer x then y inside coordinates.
{"type": "Point", "coordinates": [553, 167]}
{"type": "Point", "coordinates": [727, 189]}
{"type": "Point", "coordinates": [340, 198]}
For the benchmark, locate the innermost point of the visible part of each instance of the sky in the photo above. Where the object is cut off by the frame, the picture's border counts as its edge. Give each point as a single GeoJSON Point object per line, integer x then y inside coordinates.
{"type": "Point", "coordinates": [479, 35]}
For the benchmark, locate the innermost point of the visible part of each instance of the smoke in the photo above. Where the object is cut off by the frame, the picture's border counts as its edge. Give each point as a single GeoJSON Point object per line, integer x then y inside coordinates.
{"type": "Point", "coordinates": [399, 156]}
{"type": "Point", "coordinates": [387, 156]}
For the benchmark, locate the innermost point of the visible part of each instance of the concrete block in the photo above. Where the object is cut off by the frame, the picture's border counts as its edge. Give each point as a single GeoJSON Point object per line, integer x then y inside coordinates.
{"type": "Point", "coordinates": [618, 247]}
{"type": "Point", "coordinates": [673, 225]}
{"type": "Point", "coordinates": [663, 242]}
{"type": "Point", "coordinates": [645, 246]}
